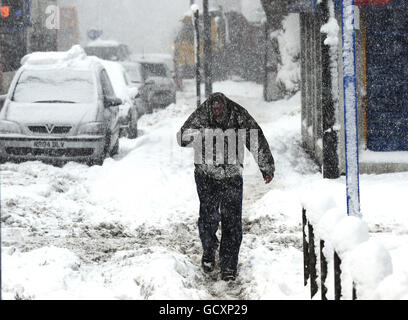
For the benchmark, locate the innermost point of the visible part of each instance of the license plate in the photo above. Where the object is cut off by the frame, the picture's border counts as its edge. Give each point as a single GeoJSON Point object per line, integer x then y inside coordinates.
{"type": "Point", "coordinates": [49, 144]}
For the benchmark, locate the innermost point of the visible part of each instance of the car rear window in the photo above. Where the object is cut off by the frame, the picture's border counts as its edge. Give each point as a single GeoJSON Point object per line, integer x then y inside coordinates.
{"type": "Point", "coordinates": [107, 53]}
{"type": "Point", "coordinates": [133, 74]}
{"type": "Point", "coordinates": [154, 70]}
{"type": "Point", "coordinates": [62, 85]}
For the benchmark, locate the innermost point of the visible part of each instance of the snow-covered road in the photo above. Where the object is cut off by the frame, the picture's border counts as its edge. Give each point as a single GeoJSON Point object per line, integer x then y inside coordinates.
{"type": "Point", "coordinates": [127, 229]}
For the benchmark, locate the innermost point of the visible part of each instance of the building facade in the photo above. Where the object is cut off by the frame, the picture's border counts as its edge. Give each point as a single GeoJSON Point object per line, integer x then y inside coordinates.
{"type": "Point", "coordinates": [33, 25]}
{"type": "Point", "coordinates": [381, 46]}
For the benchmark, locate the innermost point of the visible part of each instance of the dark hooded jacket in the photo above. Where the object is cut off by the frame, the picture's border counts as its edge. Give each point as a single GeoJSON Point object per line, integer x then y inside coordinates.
{"type": "Point", "coordinates": [234, 119]}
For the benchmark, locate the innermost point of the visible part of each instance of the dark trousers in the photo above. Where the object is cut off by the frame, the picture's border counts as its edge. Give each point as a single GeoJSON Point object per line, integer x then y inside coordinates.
{"type": "Point", "coordinates": [221, 201]}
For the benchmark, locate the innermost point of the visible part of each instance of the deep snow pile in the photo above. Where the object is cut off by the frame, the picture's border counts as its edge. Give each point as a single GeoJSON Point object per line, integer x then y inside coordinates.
{"type": "Point", "coordinates": [289, 48]}
{"type": "Point", "coordinates": [75, 58]}
{"type": "Point", "coordinates": [127, 229]}
{"type": "Point", "coordinates": [374, 249]}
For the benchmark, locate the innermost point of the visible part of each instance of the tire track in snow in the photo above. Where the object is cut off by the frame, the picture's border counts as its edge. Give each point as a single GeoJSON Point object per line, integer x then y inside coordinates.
{"type": "Point", "coordinates": [96, 246]}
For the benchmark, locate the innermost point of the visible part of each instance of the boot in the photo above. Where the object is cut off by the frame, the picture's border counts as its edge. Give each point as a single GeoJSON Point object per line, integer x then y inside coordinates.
{"type": "Point", "coordinates": [208, 261]}
{"type": "Point", "coordinates": [228, 275]}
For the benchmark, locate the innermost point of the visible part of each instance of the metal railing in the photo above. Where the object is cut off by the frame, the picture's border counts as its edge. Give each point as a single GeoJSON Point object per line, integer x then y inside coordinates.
{"type": "Point", "coordinates": [310, 264]}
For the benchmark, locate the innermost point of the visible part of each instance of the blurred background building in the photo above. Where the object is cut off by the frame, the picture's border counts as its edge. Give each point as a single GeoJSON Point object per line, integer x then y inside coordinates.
{"type": "Point", "coordinates": [33, 25]}
{"type": "Point", "coordinates": [145, 26]}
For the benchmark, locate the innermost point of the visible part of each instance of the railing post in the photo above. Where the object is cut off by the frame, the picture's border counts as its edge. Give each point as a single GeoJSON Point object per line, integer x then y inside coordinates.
{"type": "Point", "coordinates": [337, 276]}
{"type": "Point", "coordinates": [305, 248]}
{"type": "Point", "coordinates": [312, 262]}
{"type": "Point", "coordinates": [354, 291]}
{"type": "Point", "coordinates": [330, 134]}
{"type": "Point", "coordinates": [323, 271]}
{"type": "Point", "coordinates": [197, 53]}
{"type": "Point", "coordinates": [309, 264]}
{"type": "Point", "coordinates": [208, 63]}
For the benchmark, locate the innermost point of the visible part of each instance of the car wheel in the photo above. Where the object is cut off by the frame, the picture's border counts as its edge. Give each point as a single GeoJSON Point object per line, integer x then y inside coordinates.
{"type": "Point", "coordinates": [115, 149]}
{"type": "Point", "coordinates": [123, 132]}
{"type": "Point", "coordinates": [132, 133]}
{"type": "Point", "coordinates": [132, 130]}
{"type": "Point", "coordinates": [149, 108]}
{"type": "Point", "coordinates": [99, 161]}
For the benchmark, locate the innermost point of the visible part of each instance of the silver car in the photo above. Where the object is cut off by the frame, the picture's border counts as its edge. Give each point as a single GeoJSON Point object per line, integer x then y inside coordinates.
{"type": "Point", "coordinates": [130, 108]}
{"type": "Point", "coordinates": [158, 88]}
{"type": "Point", "coordinates": [108, 50]}
{"type": "Point", "coordinates": [60, 113]}
{"type": "Point", "coordinates": [135, 81]}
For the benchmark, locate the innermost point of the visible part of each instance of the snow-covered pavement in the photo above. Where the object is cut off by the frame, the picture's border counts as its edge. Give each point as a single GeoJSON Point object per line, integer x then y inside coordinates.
{"type": "Point", "coordinates": [127, 229]}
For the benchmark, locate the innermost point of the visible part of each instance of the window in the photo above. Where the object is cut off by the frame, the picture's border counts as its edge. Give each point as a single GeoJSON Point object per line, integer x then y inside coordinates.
{"type": "Point", "coordinates": [154, 70]}
{"type": "Point", "coordinates": [134, 74]}
{"type": "Point", "coordinates": [55, 86]}
{"type": "Point", "coordinates": [107, 53]}
{"type": "Point", "coordinates": [107, 88]}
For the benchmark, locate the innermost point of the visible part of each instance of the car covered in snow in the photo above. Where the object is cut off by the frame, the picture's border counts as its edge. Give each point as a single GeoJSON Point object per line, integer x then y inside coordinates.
{"type": "Point", "coordinates": [60, 106]}
{"type": "Point", "coordinates": [108, 50]}
{"type": "Point", "coordinates": [158, 87]}
{"type": "Point", "coordinates": [132, 106]}
{"type": "Point", "coordinates": [135, 80]}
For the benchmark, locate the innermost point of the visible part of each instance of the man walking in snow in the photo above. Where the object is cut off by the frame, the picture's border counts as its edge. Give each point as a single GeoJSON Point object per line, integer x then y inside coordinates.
{"type": "Point", "coordinates": [219, 130]}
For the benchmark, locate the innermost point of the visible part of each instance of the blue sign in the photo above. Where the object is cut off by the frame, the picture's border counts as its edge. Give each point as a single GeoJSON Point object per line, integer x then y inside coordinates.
{"type": "Point", "coordinates": [94, 34]}
{"type": "Point", "coordinates": [15, 14]}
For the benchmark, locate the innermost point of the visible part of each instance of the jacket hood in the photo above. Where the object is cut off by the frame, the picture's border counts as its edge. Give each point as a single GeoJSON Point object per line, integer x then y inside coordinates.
{"type": "Point", "coordinates": [227, 108]}
{"type": "Point", "coordinates": [215, 96]}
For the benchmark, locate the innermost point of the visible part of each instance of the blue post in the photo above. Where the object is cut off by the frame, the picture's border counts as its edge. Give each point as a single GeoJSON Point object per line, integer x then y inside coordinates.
{"type": "Point", "coordinates": [27, 13]}
{"type": "Point", "coordinates": [350, 108]}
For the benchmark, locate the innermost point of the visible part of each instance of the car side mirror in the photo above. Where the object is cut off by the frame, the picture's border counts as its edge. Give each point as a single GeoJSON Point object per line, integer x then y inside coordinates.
{"type": "Point", "coordinates": [134, 92]}
{"type": "Point", "coordinates": [2, 100]}
{"type": "Point", "coordinates": [112, 102]}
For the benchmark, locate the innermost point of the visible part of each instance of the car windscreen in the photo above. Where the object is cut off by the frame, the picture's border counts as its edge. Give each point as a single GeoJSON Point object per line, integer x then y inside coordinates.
{"type": "Point", "coordinates": [55, 86]}
{"type": "Point", "coordinates": [133, 74]}
{"type": "Point", "coordinates": [106, 53]}
{"type": "Point", "coordinates": [154, 70]}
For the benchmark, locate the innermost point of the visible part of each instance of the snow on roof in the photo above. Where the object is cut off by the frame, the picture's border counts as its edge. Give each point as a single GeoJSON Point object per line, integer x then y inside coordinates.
{"type": "Point", "coordinates": [195, 8]}
{"type": "Point", "coordinates": [154, 58]}
{"type": "Point", "coordinates": [103, 43]}
{"type": "Point", "coordinates": [73, 58]}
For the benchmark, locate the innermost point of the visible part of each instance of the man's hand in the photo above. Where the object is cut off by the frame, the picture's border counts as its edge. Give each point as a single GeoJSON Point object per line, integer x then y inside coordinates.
{"type": "Point", "coordinates": [185, 138]}
{"type": "Point", "coordinates": [268, 179]}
